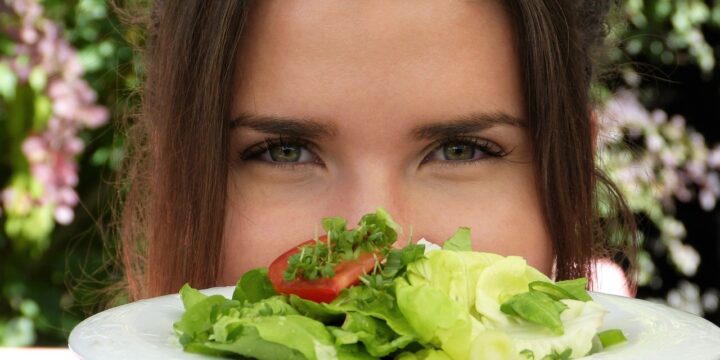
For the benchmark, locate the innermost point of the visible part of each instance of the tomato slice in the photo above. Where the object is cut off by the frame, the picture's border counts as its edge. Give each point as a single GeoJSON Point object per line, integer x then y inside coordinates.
{"type": "Point", "coordinates": [324, 289]}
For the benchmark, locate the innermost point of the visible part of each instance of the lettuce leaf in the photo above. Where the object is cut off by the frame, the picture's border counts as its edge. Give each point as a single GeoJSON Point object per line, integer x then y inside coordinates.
{"type": "Point", "coordinates": [453, 272]}
{"type": "Point", "coordinates": [376, 336]}
{"type": "Point", "coordinates": [581, 321]}
{"type": "Point", "coordinates": [254, 286]}
{"type": "Point", "coordinates": [451, 329]}
{"type": "Point", "coordinates": [460, 241]}
{"type": "Point", "coordinates": [538, 308]}
{"type": "Point", "coordinates": [197, 321]}
{"type": "Point", "coordinates": [376, 303]}
{"type": "Point", "coordinates": [249, 343]}
{"type": "Point", "coordinates": [499, 282]}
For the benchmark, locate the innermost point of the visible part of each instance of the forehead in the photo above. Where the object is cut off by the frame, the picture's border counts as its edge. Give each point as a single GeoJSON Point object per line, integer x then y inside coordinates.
{"type": "Point", "coordinates": [378, 59]}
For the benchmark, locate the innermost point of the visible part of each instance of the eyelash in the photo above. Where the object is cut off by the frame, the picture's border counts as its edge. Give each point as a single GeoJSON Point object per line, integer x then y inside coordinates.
{"type": "Point", "coordinates": [488, 148]}
{"type": "Point", "coordinates": [255, 151]}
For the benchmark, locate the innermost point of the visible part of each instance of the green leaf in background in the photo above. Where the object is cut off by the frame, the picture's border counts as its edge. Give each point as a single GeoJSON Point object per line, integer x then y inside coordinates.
{"type": "Point", "coordinates": [8, 82]}
{"type": "Point", "coordinates": [42, 113]}
{"type": "Point", "coordinates": [37, 79]}
{"type": "Point", "coordinates": [17, 332]}
{"type": "Point", "coordinates": [43, 257]}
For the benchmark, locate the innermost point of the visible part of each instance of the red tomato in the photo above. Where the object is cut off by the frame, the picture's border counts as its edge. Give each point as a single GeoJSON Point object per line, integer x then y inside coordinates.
{"type": "Point", "coordinates": [323, 289]}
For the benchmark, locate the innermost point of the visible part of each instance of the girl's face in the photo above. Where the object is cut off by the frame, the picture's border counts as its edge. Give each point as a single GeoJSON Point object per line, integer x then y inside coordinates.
{"type": "Point", "coordinates": [415, 106]}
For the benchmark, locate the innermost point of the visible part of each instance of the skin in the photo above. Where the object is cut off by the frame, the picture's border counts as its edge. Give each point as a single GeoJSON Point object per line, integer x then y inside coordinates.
{"type": "Point", "coordinates": [371, 72]}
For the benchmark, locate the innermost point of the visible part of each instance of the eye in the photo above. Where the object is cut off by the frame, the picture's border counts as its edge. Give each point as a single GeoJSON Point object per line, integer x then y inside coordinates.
{"type": "Point", "coordinates": [281, 151]}
{"type": "Point", "coordinates": [465, 150]}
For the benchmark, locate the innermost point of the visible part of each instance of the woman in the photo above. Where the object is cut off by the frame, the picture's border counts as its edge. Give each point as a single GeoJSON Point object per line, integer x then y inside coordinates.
{"type": "Point", "coordinates": [260, 118]}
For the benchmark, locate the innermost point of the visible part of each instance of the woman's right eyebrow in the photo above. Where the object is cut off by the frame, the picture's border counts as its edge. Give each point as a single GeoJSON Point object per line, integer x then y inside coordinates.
{"type": "Point", "coordinates": [284, 126]}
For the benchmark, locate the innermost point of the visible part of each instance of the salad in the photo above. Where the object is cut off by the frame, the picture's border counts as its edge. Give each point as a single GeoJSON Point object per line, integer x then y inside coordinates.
{"type": "Point", "coordinates": [350, 294]}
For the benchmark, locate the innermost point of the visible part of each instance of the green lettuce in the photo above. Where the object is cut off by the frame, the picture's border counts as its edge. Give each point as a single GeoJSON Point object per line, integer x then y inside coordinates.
{"type": "Point", "coordinates": [451, 329]}
{"type": "Point", "coordinates": [502, 295]}
{"type": "Point", "coordinates": [375, 335]}
{"type": "Point", "coordinates": [254, 286]}
{"type": "Point", "coordinates": [581, 321]}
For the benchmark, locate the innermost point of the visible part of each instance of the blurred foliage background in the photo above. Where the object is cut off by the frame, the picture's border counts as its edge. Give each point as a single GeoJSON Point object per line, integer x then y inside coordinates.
{"type": "Point", "coordinates": [68, 79]}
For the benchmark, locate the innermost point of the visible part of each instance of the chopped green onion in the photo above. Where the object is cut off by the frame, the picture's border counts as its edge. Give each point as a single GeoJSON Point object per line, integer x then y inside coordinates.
{"type": "Point", "coordinates": [552, 290]}
{"type": "Point", "coordinates": [611, 337]}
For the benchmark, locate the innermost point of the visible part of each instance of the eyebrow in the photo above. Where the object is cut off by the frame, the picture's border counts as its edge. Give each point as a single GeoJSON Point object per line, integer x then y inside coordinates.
{"type": "Point", "coordinates": [312, 129]}
{"type": "Point", "coordinates": [465, 124]}
{"type": "Point", "coordinates": [285, 126]}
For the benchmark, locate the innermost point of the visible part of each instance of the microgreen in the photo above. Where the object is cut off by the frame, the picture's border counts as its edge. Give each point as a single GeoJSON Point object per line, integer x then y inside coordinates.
{"type": "Point", "coordinates": [375, 233]}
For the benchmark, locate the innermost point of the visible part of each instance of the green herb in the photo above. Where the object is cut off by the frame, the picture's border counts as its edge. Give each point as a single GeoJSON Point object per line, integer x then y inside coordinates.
{"type": "Point", "coordinates": [573, 289]}
{"type": "Point", "coordinates": [376, 232]}
{"type": "Point", "coordinates": [611, 337]}
{"type": "Point", "coordinates": [576, 287]}
{"type": "Point", "coordinates": [536, 307]}
{"type": "Point", "coordinates": [541, 304]}
{"type": "Point", "coordinates": [395, 266]}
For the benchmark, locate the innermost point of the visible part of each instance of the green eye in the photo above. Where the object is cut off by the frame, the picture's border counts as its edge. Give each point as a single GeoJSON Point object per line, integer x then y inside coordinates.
{"type": "Point", "coordinates": [285, 153]}
{"type": "Point", "coordinates": [281, 151]}
{"type": "Point", "coordinates": [464, 150]}
{"type": "Point", "coordinates": [458, 151]}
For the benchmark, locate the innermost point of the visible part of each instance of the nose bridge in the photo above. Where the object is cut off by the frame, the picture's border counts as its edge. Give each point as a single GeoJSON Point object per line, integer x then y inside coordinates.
{"type": "Point", "coordinates": [372, 185]}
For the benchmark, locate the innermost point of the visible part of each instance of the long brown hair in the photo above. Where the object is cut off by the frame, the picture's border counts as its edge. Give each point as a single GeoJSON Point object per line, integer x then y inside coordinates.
{"type": "Point", "coordinates": [172, 222]}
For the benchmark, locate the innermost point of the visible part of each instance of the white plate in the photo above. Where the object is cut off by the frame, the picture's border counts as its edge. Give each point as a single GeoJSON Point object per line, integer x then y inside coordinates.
{"type": "Point", "coordinates": [143, 330]}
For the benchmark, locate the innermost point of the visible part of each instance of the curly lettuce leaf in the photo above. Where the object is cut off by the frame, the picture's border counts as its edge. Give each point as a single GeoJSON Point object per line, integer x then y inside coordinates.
{"type": "Point", "coordinates": [249, 343]}
{"type": "Point", "coordinates": [254, 286]}
{"type": "Point", "coordinates": [453, 272]}
{"type": "Point", "coordinates": [451, 329]}
{"type": "Point", "coordinates": [375, 335]}
{"type": "Point", "coordinates": [499, 282]}
{"type": "Point", "coordinates": [581, 321]}
{"type": "Point", "coordinates": [373, 302]}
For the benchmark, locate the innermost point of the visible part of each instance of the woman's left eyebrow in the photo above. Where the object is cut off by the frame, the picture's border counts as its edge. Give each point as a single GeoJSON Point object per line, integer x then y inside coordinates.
{"type": "Point", "coordinates": [465, 124]}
